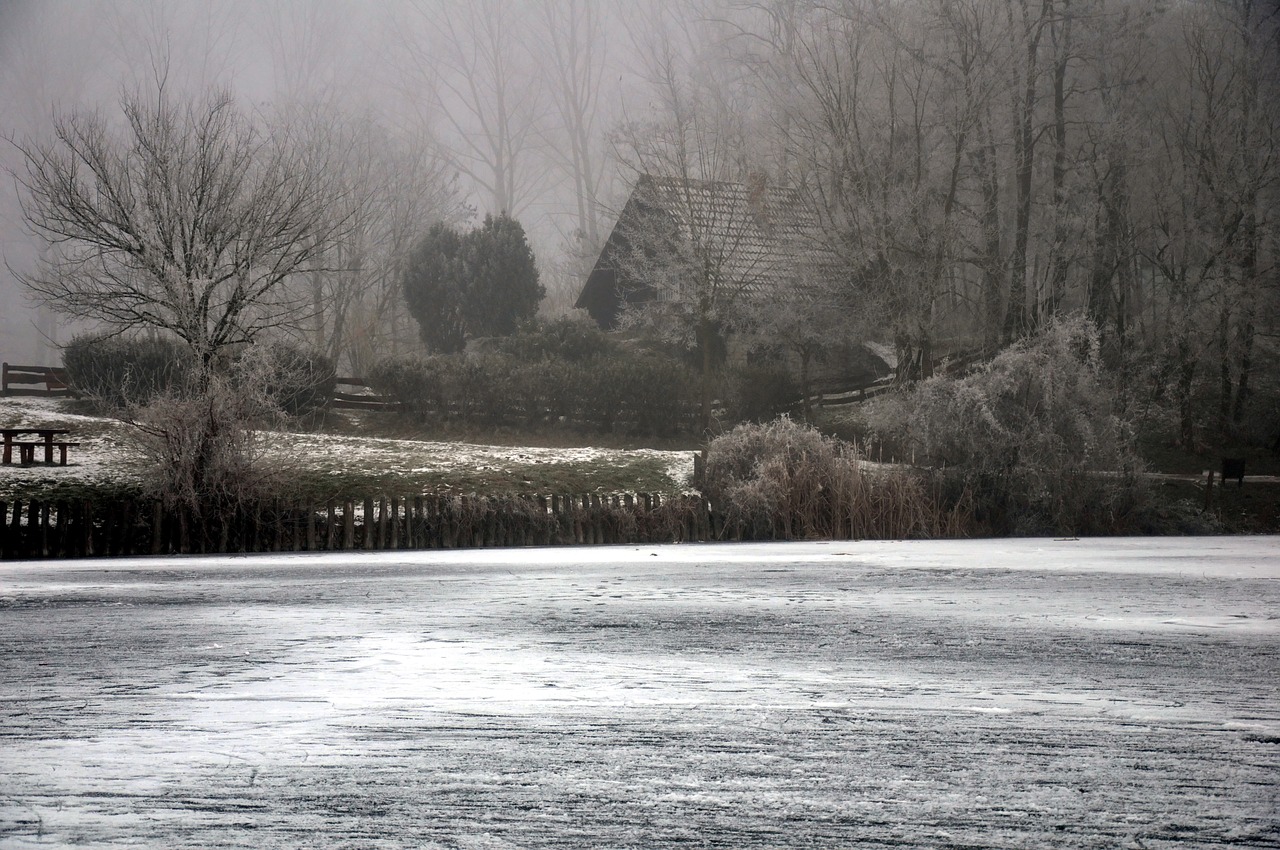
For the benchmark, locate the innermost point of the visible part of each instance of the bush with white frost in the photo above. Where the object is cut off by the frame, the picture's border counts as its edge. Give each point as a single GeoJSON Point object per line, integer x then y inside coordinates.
{"type": "Point", "coordinates": [785, 480]}
{"type": "Point", "coordinates": [1037, 435]}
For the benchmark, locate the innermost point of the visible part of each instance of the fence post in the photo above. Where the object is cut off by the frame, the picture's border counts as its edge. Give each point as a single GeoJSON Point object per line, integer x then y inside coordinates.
{"type": "Point", "coordinates": [417, 530]}
{"type": "Point", "coordinates": [276, 541]}
{"type": "Point", "coordinates": [30, 530]}
{"type": "Point", "coordinates": [10, 546]}
{"type": "Point", "coordinates": [116, 528]}
{"type": "Point", "coordinates": [579, 517]}
{"type": "Point", "coordinates": [448, 523]}
{"type": "Point", "coordinates": [223, 519]}
{"type": "Point", "coordinates": [554, 522]}
{"type": "Point", "coordinates": [542, 534]}
{"type": "Point", "coordinates": [408, 537]}
{"type": "Point", "coordinates": [311, 527]}
{"type": "Point", "coordinates": [258, 519]}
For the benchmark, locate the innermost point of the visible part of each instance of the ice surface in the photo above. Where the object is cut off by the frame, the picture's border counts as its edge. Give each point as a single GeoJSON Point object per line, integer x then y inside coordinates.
{"type": "Point", "coordinates": [1028, 693]}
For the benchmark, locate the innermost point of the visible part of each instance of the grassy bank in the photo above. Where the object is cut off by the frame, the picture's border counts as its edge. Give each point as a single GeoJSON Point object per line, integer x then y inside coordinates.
{"type": "Point", "coordinates": [347, 457]}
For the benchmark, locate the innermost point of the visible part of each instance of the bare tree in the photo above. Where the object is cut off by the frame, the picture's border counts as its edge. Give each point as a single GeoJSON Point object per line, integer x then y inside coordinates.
{"type": "Point", "coordinates": [1027, 25]}
{"type": "Point", "coordinates": [469, 61]}
{"type": "Point", "coordinates": [191, 221]}
{"type": "Point", "coordinates": [882, 107]}
{"type": "Point", "coordinates": [691, 245]}
{"type": "Point", "coordinates": [389, 188]}
{"type": "Point", "coordinates": [1209, 219]}
{"type": "Point", "coordinates": [576, 63]}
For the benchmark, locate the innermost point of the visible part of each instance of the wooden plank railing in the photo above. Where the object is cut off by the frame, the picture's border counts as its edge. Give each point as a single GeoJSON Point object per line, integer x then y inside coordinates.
{"type": "Point", "coordinates": [32, 380]}
{"type": "Point", "coordinates": [343, 400]}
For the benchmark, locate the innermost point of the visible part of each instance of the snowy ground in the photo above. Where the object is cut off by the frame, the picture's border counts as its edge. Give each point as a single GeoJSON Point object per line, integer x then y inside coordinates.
{"type": "Point", "coordinates": [1031, 693]}
{"type": "Point", "coordinates": [104, 455]}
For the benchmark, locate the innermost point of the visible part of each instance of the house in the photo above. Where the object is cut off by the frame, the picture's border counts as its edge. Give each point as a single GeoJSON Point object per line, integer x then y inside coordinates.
{"type": "Point", "coordinates": [742, 243]}
{"type": "Point", "coordinates": [749, 239]}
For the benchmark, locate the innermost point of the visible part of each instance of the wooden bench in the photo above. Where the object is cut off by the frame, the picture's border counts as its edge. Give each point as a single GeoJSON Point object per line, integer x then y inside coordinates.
{"type": "Point", "coordinates": [48, 440]}
{"type": "Point", "coordinates": [27, 451]}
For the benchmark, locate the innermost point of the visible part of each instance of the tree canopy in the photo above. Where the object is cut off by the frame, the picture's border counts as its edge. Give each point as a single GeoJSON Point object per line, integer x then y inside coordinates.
{"type": "Point", "coordinates": [481, 283]}
{"type": "Point", "coordinates": [190, 220]}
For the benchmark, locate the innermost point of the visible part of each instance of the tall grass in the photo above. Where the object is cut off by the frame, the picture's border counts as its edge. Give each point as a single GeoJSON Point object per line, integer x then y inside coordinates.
{"type": "Point", "coordinates": [784, 480]}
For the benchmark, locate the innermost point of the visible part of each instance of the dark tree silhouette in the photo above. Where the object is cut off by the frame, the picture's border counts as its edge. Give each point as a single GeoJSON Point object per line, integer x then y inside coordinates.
{"type": "Point", "coordinates": [433, 289]}
{"type": "Point", "coordinates": [482, 283]}
{"type": "Point", "coordinates": [502, 288]}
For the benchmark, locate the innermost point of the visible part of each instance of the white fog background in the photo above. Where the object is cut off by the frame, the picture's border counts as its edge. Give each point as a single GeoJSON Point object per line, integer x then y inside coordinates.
{"type": "Point", "coordinates": [398, 66]}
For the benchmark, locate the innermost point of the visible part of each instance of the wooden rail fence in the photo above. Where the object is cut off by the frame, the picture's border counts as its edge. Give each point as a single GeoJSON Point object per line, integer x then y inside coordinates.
{"type": "Point", "coordinates": [33, 380]}
{"type": "Point", "coordinates": [73, 529]}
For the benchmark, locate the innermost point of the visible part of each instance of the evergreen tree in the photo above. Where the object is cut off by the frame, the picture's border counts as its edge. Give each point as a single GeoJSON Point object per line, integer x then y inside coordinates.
{"type": "Point", "coordinates": [502, 288]}
{"type": "Point", "coordinates": [483, 283]}
{"type": "Point", "coordinates": [435, 290]}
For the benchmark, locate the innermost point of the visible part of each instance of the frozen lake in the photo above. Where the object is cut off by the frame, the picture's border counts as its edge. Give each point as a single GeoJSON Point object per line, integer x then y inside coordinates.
{"type": "Point", "coordinates": [1028, 693]}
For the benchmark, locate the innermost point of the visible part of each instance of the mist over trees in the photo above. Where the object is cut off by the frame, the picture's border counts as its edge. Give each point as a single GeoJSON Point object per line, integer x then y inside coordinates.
{"type": "Point", "coordinates": [981, 167]}
{"type": "Point", "coordinates": [974, 169]}
{"type": "Point", "coordinates": [191, 221]}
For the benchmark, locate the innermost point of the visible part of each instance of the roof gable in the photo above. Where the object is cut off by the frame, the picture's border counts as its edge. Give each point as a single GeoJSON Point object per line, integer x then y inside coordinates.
{"type": "Point", "coordinates": [758, 236]}
{"type": "Point", "coordinates": [760, 233]}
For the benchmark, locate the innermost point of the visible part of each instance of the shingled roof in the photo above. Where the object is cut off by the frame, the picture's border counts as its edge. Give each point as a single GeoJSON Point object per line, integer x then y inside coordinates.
{"type": "Point", "coordinates": [757, 232]}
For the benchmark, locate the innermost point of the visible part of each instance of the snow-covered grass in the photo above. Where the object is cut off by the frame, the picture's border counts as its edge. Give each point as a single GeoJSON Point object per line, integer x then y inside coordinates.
{"type": "Point", "coordinates": [330, 465]}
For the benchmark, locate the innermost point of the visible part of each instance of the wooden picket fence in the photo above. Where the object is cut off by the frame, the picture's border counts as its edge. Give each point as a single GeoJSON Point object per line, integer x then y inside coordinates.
{"type": "Point", "coordinates": [73, 529]}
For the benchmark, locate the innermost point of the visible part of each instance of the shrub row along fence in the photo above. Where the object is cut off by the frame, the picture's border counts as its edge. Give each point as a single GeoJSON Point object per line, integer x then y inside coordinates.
{"type": "Point", "coordinates": [637, 394]}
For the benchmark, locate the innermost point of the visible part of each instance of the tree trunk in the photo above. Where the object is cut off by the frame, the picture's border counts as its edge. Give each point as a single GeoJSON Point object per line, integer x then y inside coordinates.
{"type": "Point", "coordinates": [1186, 377]}
{"type": "Point", "coordinates": [806, 405]}
{"type": "Point", "coordinates": [1225, 383]}
{"type": "Point", "coordinates": [1016, 323]}
{"type": "Point", "coordinates": [704, 342]}
{"type": "Point", "coordinates": [993, 274]}
{"type": "Point", "coordinates": [1060, 31]}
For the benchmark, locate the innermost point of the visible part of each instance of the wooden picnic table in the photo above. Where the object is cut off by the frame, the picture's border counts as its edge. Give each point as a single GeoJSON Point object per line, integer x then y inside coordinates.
{"type": "Point", "coordinates": [27, 449]}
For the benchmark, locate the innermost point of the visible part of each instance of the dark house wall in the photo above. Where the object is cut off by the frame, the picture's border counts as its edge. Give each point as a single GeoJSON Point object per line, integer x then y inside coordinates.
{"type": "Point", "coordinates": [607, 287]}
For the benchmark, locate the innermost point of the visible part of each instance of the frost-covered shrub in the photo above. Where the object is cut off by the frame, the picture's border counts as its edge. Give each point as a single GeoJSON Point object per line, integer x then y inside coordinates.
{"type": "Point", "coordinates": [571, 339]}
{"type": "Point", "coordinates": [1037, 436]}
{"type": "Point", "coordinates": [419, 384]}
{"type": "Point", "coordinates": [784, 479]}
{"type": "Point", "coordinates": [114, 372]}
{"type": "Point", "coordinates": [482, 388]}
{"type": "Point", "coordinates": [299, 382]}
{"type": "Point", "coordinates": [661, 396]}
{"type": "Point", "coordinates": [643, 393]}
{"type": "Point", "coordinates": [201, 449]}
{"type": "Point", "coordinates": [604, 393]}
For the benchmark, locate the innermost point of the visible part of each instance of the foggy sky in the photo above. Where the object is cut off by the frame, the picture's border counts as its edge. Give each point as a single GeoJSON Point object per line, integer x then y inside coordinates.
{"type": "Point", "coordinates": [358, 58]}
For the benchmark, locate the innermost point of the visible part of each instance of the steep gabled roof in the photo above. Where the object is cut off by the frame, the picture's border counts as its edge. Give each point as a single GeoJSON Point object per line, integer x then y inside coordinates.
{"type": "Point", "coordinates": [759, 230]}
{"type": "Point", "coordinates": [760, 236]}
